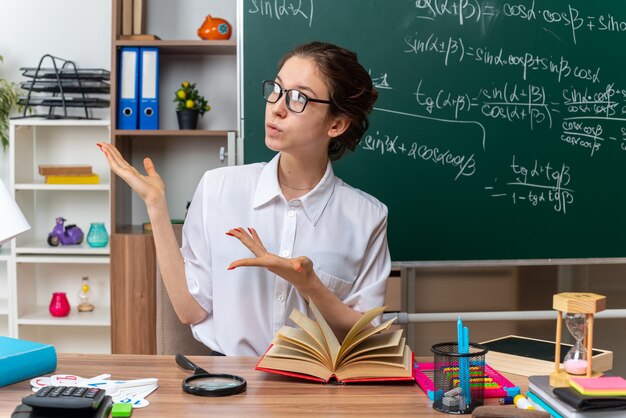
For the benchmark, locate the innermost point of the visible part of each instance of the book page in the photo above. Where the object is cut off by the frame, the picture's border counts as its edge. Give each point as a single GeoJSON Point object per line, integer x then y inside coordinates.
{"type": "Point", "coordinates": [302, 348]}
{"type": "Point", "coordinates": [396, 367]}
{"type": "Point", "coordinates": [379, 353]}
{"type": "Point", "coordinates": [363, 322]}
{"type": "Point", "coordinates": [347, 348]}
{"type": "Point", "coordinates": [279, 351]}
{"type": "Point", "coordinates": [311, 328]}
{"type": "Point", "coordinates": [331, 340]}
{"type": "Point", "coordinates": [377, 347]}
{"type": "Point", "coordinates": [294, 366]}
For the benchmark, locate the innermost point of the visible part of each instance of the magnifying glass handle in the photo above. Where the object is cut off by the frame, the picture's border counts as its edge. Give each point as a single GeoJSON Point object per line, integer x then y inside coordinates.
{"type": "Point", "coordinates": [185, 363]}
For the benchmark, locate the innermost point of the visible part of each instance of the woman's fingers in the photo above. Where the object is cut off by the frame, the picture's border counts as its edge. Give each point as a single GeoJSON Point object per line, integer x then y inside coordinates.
{"type": "Point", "coordinates": [149, 187]}
{"type": "Point", "coordinates": [271, 262]}
{"type": "Point", "coordinates": [255, 236]}
{"type": "Point", "coordinates": [294, 270]}
{"type": "Point", "coordinates": [252, 242]}
{"type": "Point", "coordinates": [117, 163]}
{"type": "Point", "coordinates": [148, 165]}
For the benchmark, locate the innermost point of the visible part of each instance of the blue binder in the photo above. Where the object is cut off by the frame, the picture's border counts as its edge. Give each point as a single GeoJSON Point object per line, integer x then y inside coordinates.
{"type": "Point", "coordinates": [149, 88]}
{"type": "Point", "coordinates": [128, 104]}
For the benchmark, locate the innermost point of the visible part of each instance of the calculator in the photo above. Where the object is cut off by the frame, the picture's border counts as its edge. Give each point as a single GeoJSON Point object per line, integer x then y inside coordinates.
{"type": "Point", "coordinates": [65, 397]}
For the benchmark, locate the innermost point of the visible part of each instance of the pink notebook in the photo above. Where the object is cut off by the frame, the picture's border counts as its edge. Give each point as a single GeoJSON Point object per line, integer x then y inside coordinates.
{"type": "Point", "coordinates": [600, 386]}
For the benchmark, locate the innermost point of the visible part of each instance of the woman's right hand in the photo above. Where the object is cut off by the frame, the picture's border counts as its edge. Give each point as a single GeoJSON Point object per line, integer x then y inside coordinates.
{"type": "Point", "coordinates": [150, 187]}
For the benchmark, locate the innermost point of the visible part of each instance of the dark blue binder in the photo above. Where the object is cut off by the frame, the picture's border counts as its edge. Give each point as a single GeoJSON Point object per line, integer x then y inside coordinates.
{"type": "Point", "coordinates": [149, 88]}
{"type": "Point", "coordinates": [127, 109]}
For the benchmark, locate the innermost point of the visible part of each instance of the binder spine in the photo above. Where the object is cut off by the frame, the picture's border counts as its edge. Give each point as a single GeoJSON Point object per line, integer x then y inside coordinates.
{"type": "Point", "coordinates": [149, 89]}
{"type": "Point", "coordinates": [127, 117]}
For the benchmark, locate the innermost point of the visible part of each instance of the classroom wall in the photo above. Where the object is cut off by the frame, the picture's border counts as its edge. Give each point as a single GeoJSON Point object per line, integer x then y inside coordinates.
{"type": "Point", "coordinates": [80, 30]}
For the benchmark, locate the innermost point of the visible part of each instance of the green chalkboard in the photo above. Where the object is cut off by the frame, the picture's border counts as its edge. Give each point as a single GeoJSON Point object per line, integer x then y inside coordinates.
{"type": "Point", "coordinates": [500, 130]}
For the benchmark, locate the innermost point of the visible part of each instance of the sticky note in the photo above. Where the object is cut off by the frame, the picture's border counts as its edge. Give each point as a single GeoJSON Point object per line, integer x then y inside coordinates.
{"type": "Point", "coordinates": [121, 410]}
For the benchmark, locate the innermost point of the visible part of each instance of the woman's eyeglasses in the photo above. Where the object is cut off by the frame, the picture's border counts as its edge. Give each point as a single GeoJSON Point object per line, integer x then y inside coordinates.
{"type": "Point", "coordinates": [296, 100]}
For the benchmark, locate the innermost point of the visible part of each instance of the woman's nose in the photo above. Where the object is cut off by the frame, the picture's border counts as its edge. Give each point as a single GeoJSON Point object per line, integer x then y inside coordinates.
{"type": "Point", "coordinates": [280, 107]}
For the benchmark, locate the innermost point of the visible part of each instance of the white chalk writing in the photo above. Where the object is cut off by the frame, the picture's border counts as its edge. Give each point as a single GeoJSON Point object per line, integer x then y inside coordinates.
{"type": "Point", "coordinates": [538, 184]}
{"type": "Point", "coordinates": [281, 9]}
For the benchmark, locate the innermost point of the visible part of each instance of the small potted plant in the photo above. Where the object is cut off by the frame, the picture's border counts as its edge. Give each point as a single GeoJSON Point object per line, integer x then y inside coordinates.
{"type": "Point", "coordinates": [189, 105]}
{"type": "Point", "coordinates": [8, 100]}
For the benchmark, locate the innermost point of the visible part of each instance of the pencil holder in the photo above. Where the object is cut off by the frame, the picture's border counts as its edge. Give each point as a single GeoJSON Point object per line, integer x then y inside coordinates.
{"type": "Point", "coordinates": [459, 378]}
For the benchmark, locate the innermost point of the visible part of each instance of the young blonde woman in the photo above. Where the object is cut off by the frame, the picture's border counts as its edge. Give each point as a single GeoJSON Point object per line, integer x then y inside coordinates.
{"type": "Point", "coordinates": [305, 233]}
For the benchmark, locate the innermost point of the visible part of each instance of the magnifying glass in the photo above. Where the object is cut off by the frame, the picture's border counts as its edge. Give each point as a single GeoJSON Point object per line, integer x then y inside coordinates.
{"type": "Point", "coordinates": [203, 383]}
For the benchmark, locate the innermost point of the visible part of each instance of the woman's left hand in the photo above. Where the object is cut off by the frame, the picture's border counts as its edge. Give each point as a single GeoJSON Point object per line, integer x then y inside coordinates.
{"type": "Point", "coordinates": [298, 271]}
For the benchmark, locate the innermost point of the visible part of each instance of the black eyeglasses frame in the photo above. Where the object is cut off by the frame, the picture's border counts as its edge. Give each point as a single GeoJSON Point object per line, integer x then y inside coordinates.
{"type": "Point", "coordinates": [287, 99]}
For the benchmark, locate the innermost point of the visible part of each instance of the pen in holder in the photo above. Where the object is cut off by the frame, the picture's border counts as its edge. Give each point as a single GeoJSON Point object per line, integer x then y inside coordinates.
{"type": "Point", "coordinates": [459, 377]}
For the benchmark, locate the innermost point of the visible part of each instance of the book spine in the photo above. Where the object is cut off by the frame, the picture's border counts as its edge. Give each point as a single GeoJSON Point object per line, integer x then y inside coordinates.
{"type": "Point", "coordinates": [538, 401]}
{"type": "Point", "coordinates": [26, 365]}
{"type": "Point", "coordinates": [77, 179]}
{"type": "Point", "coordinates": [65, 170]}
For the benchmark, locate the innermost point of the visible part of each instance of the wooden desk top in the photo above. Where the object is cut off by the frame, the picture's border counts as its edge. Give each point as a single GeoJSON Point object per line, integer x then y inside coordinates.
{"type": "Point", "coordinates": [267, 394]}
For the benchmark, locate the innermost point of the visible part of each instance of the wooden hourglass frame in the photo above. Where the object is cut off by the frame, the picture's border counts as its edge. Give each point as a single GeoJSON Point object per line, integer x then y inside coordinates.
{"type": "Point", "coordinates": [575, 303]}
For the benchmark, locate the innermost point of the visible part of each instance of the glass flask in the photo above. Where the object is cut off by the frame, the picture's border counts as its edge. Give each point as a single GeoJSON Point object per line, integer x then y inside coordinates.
{"type": "Point", "coordinates": [84, 297]}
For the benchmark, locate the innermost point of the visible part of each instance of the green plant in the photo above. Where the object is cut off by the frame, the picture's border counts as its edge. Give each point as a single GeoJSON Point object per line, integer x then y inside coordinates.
{"type": "Point", "coordinates": [188, 98]}
{"type": "Point", "coordinates": [8, 100]}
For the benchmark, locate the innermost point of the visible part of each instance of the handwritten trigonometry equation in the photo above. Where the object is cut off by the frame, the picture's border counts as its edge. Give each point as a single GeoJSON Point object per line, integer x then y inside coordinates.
{"type": "Point", "coordinates": [537, 184]}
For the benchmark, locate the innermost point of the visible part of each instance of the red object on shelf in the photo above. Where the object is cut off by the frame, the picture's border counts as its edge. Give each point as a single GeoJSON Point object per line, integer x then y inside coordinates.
{"type": "Point", "coordinates": [59, 305]}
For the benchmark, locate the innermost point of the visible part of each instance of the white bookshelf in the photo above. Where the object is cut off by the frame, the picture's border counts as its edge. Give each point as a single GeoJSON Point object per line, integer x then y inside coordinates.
{"type": "Point", "coordinates": [67, 187]}
{"type": "Point", "coordinates": [39, 315]}
{"type": "Point", "coordinates": [77, 253]}
{"type": "Point", "coordinates": [5, 256]}
{"type": "Point", "coordinates": [35, 270]}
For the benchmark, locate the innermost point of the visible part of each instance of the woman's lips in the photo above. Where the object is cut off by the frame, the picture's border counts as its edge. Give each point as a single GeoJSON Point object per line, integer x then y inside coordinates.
{"type": "Point", "coordinates": [272, 129]}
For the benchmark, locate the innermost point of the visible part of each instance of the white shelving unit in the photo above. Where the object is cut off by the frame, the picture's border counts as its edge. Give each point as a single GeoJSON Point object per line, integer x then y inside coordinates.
{"type": "Point", "coordinates": [4, 289]}
{"type": "Point", "coordinates": [35, 270]}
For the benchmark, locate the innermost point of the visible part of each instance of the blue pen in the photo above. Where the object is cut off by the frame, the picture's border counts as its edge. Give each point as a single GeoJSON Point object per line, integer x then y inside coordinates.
{"type": "Point", "coordinates": [463, 381]}
{"type": "Point", "coordinates": [466, 366]}
{"type": "Point", "coordinates": [459, 334]}
{"type": "Point", "coordinates": [459, 337]}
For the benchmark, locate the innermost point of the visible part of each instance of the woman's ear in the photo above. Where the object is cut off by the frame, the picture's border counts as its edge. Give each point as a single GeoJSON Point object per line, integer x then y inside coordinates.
{"type": "Point", "coordinates": [338, 126]}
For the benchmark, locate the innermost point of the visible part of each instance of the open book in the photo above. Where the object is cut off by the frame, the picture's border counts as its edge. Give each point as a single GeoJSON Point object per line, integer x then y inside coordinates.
{"type": "Point", "coordinates": [313, 352]}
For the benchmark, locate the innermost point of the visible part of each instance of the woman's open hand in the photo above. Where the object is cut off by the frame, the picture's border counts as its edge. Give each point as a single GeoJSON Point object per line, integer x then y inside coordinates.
{"type": "Point", "coordinates": [295, 270]}
{"type": "Point", "coordinates": [149, 187]}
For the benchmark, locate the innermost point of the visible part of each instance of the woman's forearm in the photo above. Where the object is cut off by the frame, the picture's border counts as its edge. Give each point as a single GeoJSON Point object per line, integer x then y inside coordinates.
{"type": "Point", "coordinates": [339, 316]}
{"type": "Point", "coordinates": [172, 265]}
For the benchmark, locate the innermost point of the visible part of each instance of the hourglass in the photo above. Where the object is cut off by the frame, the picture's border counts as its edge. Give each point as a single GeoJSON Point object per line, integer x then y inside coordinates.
{"type": "Point", "coordinates": [575, 361]}
{"type": "Point", "coordinates": [579, 309]}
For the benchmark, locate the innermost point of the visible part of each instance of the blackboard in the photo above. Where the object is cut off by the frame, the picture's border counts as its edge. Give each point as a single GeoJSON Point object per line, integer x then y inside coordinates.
{"type": "Point", "coordinates": [500, 130]}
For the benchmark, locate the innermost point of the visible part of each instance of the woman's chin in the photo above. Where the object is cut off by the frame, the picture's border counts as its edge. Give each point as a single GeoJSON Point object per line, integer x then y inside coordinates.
{"type": "Point", "coordinates": [272, 144]}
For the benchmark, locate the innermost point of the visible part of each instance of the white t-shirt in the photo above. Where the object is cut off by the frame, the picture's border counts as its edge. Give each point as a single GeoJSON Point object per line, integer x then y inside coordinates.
{"type": "Point", "coordinates": [341, 229]}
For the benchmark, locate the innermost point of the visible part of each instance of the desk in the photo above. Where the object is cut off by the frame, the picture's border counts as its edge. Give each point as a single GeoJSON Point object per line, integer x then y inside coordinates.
{"type": "Point", "coordinates": [267, 394]}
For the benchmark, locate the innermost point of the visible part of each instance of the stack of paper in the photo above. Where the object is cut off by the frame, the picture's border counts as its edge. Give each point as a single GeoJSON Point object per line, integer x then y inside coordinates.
{"type": "Point", "coordinates": [600, 386]}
